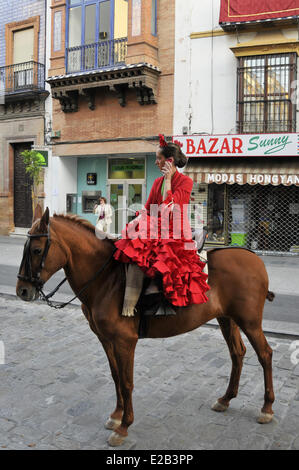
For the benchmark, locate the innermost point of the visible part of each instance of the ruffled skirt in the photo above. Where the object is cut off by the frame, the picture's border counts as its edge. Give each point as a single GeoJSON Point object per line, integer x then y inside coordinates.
{"type": "Point", "coordinates": [184, 283]}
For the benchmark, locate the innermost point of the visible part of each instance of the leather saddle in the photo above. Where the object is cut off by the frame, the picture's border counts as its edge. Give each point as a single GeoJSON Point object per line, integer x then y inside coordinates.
{"type": "Point", "coordinates": [154, 304]}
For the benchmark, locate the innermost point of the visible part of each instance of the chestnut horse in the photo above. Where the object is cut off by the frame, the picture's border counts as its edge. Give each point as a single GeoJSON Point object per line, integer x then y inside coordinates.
{"type": "Point", "coordinates": [239, 287]}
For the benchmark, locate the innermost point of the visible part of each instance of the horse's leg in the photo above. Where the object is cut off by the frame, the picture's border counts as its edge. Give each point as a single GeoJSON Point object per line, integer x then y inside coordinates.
{"type": "Point", "coordinates": [115, 418]}
{"type": "Point", "coordinates": [124, 350]}
{"type": "Point", "coordinates": [264, 352]}
{"type": "Point", "coordinates": [237, 351]}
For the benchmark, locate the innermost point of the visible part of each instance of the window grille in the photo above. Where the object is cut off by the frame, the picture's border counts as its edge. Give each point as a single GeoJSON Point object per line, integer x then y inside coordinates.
{"type": "Point", "coordinates": [264, 218]}
{"type": "Point", "coordinates": [264, 95]}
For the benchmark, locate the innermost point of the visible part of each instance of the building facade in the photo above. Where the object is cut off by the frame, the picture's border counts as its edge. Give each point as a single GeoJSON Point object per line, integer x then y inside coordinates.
{"type": "Point", "coordinates": [112, 81]}
{"type": "Point", "coordinates": [23, 106]}
{"type": "Point", "coordinates": [235, 113]}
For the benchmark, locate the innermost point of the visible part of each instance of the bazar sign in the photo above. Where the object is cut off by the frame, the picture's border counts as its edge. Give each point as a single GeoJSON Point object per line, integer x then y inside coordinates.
{"type": "Point", "coordinates": [246, 145]}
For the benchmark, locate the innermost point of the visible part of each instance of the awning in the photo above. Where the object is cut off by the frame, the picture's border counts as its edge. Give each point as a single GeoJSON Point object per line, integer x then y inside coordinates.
{"type": "Point", "coordinates": [239, 173]}
{"type": "Point", "coordinates": [238, 11]}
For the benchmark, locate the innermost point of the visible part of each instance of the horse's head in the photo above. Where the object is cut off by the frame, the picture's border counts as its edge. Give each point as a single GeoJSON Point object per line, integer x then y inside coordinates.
{"type": "Point", "coordinates": [40, 258]}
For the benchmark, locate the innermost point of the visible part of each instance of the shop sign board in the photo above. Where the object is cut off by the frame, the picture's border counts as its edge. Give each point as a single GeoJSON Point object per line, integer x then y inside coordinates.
{"type": "Point", "coordinates": [235, 11]}
{"type": "Point", "coordinates": [91, 179]}
{"type": "Point", "coordinates": [244, 145]}
{"type": "Point", "coordinates": [250, 178]}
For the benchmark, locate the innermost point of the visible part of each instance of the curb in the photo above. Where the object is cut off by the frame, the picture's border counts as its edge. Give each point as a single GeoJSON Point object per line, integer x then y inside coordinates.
{"type": "Point", "coordinates": [267, 332]}
{"type": "Point", "coordinates": [212, 324]}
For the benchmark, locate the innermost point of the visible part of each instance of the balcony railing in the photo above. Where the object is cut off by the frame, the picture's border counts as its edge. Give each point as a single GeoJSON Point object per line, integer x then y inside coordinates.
{"type": "Point", "coordinates": [97, 55]}
{"type": "Point", "coordinates": [24, 77]}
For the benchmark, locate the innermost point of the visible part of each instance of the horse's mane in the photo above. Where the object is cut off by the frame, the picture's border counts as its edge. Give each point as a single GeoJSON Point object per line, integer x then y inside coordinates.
{"type": "Point", "coordinates": [76, 220]}
{"type": "Point", "coordinates": [86, 225]}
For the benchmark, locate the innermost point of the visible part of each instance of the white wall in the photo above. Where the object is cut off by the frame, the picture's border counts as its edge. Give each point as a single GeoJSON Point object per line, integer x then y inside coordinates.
{"type": "Point", "coordinates": [64, 171]}
{"type": "Point", "coordinates": [205, 70]}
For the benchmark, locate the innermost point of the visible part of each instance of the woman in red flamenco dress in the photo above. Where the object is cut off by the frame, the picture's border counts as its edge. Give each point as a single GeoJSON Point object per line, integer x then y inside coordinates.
{"type": "Point", "coordinates": [163, 246]}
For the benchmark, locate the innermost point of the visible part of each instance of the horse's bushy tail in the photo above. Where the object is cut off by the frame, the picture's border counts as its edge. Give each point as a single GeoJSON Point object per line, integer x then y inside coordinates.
{"type": "Point", "coordinates": [270, 296]}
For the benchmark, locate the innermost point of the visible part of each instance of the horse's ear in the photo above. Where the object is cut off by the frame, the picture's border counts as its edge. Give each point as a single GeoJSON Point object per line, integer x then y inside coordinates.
{"type": "Point", "coordinates": [38, 213]}
{"type": "Point", "coordinates": [45, 218]}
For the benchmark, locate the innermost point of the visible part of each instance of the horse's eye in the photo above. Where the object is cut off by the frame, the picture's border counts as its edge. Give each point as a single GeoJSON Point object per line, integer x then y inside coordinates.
{"type": "Point", "coordinates": [37, 251]}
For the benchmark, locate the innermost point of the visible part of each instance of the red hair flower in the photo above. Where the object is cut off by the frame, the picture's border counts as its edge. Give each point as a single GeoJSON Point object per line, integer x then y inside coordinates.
{"type": "Point", "coordinates": [178, 143]}
{"type": "Point", "coordinates": [163, 142]}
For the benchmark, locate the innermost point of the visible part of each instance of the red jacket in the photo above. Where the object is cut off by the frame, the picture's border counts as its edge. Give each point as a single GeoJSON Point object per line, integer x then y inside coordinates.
{"type": "Point", "coordinates": [181, 187]}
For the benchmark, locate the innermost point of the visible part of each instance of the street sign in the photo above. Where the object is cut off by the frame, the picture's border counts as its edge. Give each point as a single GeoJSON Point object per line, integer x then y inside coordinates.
{"type": "Point", "coordinates": [91, 178]}
{"type": "Point", "coordinates": [43, 155]}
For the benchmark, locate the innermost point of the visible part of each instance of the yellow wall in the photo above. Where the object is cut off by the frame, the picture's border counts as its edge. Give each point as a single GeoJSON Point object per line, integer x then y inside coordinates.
{"type": "Point", "coordinates": [120, 19]}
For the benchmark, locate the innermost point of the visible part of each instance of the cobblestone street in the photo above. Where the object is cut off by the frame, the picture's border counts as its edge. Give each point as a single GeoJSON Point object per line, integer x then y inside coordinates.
{"type": "Point", "coordinates": [56, 389]}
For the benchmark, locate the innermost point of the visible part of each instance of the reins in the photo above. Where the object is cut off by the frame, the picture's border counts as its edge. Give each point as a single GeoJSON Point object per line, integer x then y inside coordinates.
{"type": "Point", "coordinates": [38, 283]}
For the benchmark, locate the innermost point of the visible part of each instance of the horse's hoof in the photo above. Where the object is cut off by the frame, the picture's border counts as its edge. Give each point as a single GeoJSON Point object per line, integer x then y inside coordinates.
{"type": "Point", "coordinates": [112, 424]}
{"type": "Point", "coordinates": [219, 406]}
{"type": "Point", "coordinates": [116, 439]}
{"type": "Point", "coordinates": [265, 418]}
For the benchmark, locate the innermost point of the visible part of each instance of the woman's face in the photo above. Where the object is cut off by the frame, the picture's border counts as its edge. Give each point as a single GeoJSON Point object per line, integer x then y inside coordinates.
{"type": "Point", "coordinates": [102, 201]}
{"type": "Point", "coordinates": [160, 159]}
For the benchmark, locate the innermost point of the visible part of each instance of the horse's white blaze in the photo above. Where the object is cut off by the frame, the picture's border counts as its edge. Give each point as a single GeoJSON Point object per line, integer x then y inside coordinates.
{"type": "Point", "coordinates": [265, 418]}
{"type": "Point", "coordinates": [116, 440]}
{"type": "Point", "coordinates": [219, 406]}
{"type": "Point", "coordinates": [112, 424]}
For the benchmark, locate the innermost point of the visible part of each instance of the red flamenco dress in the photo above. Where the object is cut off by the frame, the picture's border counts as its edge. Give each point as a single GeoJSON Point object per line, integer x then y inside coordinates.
{"type": "Point", "coordinates": [159, 242]}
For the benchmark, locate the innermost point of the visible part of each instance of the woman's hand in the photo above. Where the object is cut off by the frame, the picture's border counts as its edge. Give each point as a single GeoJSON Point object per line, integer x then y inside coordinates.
{"type": "Point", "coordinates": [168, 170]}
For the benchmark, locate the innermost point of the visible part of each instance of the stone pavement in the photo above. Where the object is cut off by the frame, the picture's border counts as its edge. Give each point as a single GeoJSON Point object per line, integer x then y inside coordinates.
{"type": "Point", "coordinates": [56, 390]}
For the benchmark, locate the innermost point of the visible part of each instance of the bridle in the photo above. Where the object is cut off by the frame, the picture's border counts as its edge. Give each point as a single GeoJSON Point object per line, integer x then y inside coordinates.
{"type": "Point", "coordinates": [26, 260]}
{"type": "Point", "coordinates": [37, 282]}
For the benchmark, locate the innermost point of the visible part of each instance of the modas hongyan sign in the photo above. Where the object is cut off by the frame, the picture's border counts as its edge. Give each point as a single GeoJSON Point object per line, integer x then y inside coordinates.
{"type": "Point", "coordinates": [235, 11]}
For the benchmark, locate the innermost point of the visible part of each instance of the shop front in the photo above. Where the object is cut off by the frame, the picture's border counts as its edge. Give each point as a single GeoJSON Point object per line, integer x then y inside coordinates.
{"type": "Point", "coordinates": [126, 188]}
{"type": "Point", "coordinates": [246, 189]}
{"type": "Point", "coordinates": [125, 181]}
{"type": "Point", "coordinates": [254, 206]}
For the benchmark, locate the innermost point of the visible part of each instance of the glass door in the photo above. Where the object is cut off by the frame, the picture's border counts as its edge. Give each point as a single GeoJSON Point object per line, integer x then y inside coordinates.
{"type": "Point", "coordinates": [90, 37]}
{"type": "Point", "coordinates": [134, 198]}
{"type": "Point", "coordinates": [126, 198]}
{"type": "Point", "coordinates": [116, 195]}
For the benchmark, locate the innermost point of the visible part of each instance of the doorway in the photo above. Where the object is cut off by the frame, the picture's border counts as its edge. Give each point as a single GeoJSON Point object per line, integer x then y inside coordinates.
{"type": "Point", "coordinates": [22, 188]}
{"type": "Point", "coordinates": [126, 197]}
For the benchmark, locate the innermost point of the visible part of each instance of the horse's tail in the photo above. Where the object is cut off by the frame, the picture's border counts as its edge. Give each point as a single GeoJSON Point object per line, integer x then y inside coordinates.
{"type": "Point", "coordinates": [270, 296]}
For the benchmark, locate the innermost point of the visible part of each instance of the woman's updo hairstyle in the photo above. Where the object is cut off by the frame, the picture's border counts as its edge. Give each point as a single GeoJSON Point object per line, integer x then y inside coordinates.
{"type": "Point", "coordinates": [173, 150]}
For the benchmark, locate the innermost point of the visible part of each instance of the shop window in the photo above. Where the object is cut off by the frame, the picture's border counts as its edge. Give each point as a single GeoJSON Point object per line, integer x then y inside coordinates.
{"type": "Point", "coordinates": [215, 213]}
{"type": "Point", "coordinates": [97, 34]}
{"type": "Point", "coordinates": [122, 169]}
{"type": "Point", "coordinates": [264, 93]}
{"type": "Point", "coordinates": [264, 218]}
{"type": "Point", "coordinates": [208, 210]}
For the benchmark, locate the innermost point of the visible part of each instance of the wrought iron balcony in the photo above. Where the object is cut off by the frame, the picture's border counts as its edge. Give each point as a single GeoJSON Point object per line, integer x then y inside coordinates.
{"type": "Point", "coordinates": [22, 78]}
{"type": "Point", "coordinates": [97, 55]}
